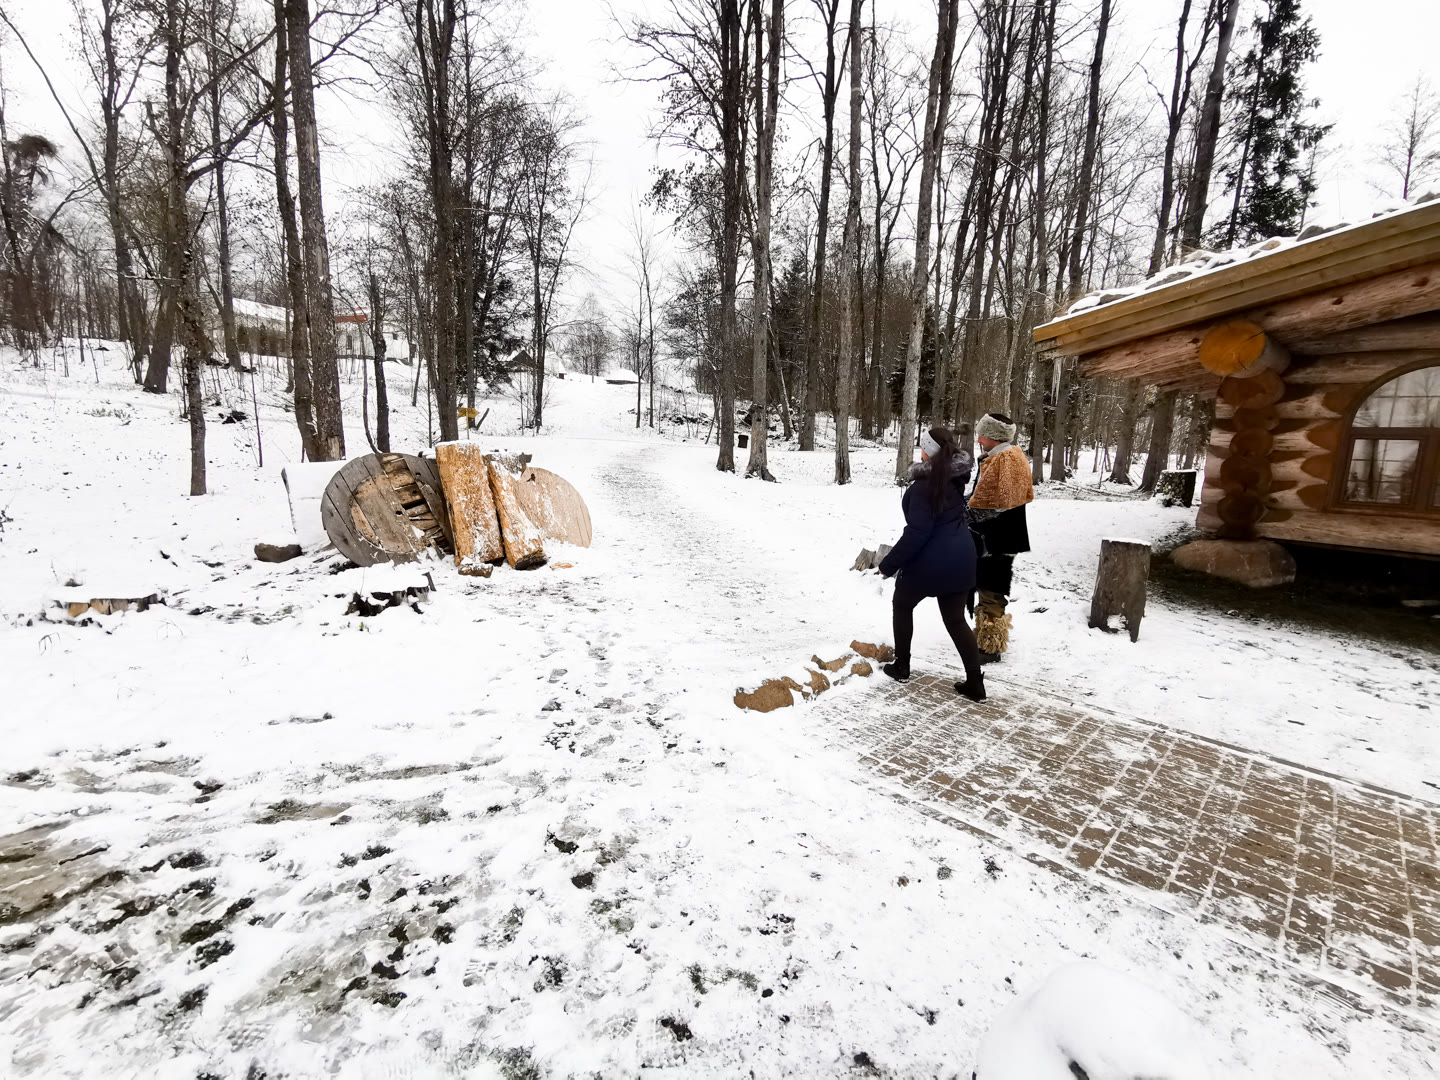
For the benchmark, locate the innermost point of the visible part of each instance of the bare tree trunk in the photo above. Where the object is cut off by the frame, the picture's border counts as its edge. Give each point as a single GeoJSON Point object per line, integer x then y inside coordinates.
{"type": "Point", "coordinates": [1208, 132]}
{"type": "Point", "coordinates": [158, 369]}
{"type": "Point", "coordinates": [829, 13]}
{"type": "Point", "coordinates": [1161, 428]}
{"type": "Point", "coordinates": [732, 103]}
{"type": "Point", "coordinates": [377, 342]}
{"type": "Point", "coordinates": [1083, 195]}
{"type": "Point", "coordinates": [222, 206]}
{"type": "Point", "coordinates": [937, 109]}
{"type": "Point", "coordinates": [850, 335]}
{"type": "Point", "coordinates": [1175, 116]}
{"type": "Point", "coordinates": [767, 99]}
{"type": "Point", "coordinates": [319, 302]}
{"type": "Point", "coordinates": [1125, 436]}
{"type": "Point", "coordinates": [179, 243]}
{"type": "Point", "coordinates": [303, 385]}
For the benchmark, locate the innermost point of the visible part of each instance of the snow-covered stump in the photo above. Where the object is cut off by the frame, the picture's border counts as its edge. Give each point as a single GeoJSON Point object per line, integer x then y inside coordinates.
{"type": "Point", "coordinates": [1120, 584]}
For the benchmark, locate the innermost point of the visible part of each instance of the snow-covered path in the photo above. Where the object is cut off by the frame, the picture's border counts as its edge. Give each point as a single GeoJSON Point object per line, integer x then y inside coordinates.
{"type": "Point", "coordinates": [521, 832]}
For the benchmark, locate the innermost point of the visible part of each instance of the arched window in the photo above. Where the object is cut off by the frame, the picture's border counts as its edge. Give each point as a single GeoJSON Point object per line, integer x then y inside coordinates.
{"type": "Point", "coordinates": [1393, 449]}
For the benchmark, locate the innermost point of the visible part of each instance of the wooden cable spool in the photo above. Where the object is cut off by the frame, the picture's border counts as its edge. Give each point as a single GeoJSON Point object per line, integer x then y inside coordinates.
{"type": "Point", "coordinates": [386, 508]}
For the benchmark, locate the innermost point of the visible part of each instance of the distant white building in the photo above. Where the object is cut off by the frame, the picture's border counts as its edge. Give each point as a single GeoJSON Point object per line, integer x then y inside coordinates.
{"type": "Point", "coordinates": [264, 329]}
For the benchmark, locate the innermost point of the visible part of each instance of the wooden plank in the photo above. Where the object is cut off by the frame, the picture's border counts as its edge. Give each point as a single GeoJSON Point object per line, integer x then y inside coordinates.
{"type": "Point", "coordinates": [1377, 299]}
{"type": "Point", "coordinates": [1362, 367]}
{"type": "Point", "coordinates": [1290, 271]}
{"type": "Point", "coordinates": [1416, 332]}
{"type": "Point", "coordinates": [427, 476]}
{"type": "Point", "coordinates": [1374, 532]}
{"type": "Point", "coordinates": [382, 508]}
{"type": "Point", "coordinates": [464, 476]}
{"type": "Point", "coordinates": [1262, 284]}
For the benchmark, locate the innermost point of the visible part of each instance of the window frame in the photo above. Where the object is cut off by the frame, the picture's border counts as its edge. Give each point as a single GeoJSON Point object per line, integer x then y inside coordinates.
{"type": "Point", "coordinates": [1425, 494]}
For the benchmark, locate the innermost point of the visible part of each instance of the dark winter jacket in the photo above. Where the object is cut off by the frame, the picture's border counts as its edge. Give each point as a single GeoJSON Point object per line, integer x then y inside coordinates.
{"type": "Point", "coordinates": [935, 555]}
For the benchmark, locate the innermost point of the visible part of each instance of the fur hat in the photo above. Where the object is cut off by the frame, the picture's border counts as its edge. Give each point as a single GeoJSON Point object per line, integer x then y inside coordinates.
{"type": "Point", "coordinates": [991, 426]}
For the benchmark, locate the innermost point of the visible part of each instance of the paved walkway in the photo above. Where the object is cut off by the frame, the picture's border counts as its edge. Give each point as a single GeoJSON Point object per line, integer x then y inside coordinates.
{"type": "Point", "coordinates": [1337, 878]}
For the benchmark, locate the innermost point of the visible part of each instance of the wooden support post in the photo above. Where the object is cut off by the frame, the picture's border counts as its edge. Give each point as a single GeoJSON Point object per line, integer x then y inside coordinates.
{"type": "Point", "coordinates": [1120, 585]}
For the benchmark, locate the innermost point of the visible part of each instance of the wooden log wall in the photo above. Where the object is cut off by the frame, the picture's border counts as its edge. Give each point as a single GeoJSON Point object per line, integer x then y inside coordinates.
{"type": "Point", "coordinates": [1278, 461]}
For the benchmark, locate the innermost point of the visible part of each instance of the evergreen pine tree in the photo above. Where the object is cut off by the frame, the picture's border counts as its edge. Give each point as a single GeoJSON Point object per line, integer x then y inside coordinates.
{"type": "Point", "coordinates": [1273, 143]}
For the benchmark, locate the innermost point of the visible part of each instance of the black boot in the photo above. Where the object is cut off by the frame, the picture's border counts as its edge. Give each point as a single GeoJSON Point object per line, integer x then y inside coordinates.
{"type": "Point", "coordinates": [990, 657]}
{"type": "Point", "coordinates": [973, 687]}
{"type": "Point", "coordinates": [899, 670]}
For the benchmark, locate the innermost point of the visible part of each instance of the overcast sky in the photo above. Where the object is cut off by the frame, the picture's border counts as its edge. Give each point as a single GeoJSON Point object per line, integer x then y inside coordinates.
{"type": "Point", "coordinates": [1370, 52]}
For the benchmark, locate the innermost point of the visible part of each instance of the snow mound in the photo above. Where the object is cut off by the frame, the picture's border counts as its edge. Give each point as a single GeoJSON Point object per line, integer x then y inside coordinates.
{"type": "Point", "coordinates": [1090, 1020]}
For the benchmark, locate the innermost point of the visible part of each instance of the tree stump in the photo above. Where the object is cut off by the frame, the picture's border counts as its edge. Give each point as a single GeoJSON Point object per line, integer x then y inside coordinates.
{"type": "Point", "coordinates": [1120, 585]}
{"type": "Point", "coordinates": [1176, 486]}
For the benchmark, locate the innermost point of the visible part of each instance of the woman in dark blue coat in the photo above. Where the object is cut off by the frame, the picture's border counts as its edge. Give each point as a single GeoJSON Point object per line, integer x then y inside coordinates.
{"type": "Point", "coordinates": [935, 556]}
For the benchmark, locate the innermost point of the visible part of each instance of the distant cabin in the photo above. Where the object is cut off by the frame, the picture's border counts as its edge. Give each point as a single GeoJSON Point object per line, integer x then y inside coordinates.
{"type": "Point", "coordinates": [1323, 354]}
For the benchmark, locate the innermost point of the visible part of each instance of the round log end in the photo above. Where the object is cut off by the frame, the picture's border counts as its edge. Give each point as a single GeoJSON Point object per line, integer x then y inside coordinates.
{"type": "Point", "coordinates": [1240, 348]}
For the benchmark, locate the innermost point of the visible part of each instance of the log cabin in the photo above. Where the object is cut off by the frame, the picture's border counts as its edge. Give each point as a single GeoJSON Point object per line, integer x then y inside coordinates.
{"type": "Point", "coordinates": [1323, 355]}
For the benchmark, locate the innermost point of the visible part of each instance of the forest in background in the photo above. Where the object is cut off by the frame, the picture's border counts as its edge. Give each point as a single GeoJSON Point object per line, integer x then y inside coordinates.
{"type": "Point", "coordinates": [854, 227]}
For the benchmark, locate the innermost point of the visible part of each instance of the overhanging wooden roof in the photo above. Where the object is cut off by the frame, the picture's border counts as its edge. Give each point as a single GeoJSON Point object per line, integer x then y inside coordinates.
{"type": "Point", "coordinates": [1384, 269]}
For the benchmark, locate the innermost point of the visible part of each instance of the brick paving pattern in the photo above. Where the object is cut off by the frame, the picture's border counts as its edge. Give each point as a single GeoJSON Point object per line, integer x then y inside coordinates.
{"type": "Point", "coordinates": [1339, 878]}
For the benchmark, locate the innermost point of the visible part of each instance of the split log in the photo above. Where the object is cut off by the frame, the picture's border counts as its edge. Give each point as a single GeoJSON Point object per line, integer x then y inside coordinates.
{"type": "Point", "coordinates": [869, 560]}
{"type": "Point", "coordinates": [1240, 349]}
{"type": "Point", "coordinates": [1120, 585]}
{"type": "Point", "coordinates": [524, 549]}
{"type": "Point", "coordinates": [109, 605]}
{"type": "Point", "coordinates": [465, 477]}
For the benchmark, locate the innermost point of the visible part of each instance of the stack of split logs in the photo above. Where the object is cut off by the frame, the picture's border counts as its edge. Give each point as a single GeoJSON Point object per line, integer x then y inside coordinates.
{"type": "Point", "coordinates": [483, 508]}
{"type": "Point", "coordinates": [1251, 365]}
{"type": "Point", "coordinates": [819, 674]}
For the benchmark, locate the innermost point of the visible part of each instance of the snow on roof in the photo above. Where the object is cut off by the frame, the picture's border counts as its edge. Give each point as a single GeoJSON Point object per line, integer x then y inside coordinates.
{"type": "Point", "coordinates": [1199, 263]}
{"type": "Point", "coordinates": [253, 309]}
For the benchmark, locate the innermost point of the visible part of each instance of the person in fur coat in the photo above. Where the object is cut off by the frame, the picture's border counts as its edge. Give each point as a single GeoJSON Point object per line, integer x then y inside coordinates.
{"type": "Point", "coordinates": [935, 556]}
{"type": "Point", "coordinates": [997, 518]}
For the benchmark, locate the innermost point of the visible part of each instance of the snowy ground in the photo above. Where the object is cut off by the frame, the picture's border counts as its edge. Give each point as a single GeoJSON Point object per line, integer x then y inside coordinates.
{"type": "Point", "coordinates": [522, 831]}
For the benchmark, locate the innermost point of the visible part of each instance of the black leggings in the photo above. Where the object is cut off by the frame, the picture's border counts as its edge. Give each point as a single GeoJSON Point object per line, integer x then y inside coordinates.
{"type": "Point", "coordinates": [952, 610]}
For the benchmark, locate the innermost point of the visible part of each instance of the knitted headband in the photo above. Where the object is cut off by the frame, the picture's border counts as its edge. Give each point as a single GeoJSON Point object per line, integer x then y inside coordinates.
{"type": "Point", "coordinates": [991, 427]}
{"type": "Point", "coordinates": [928, 444]}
